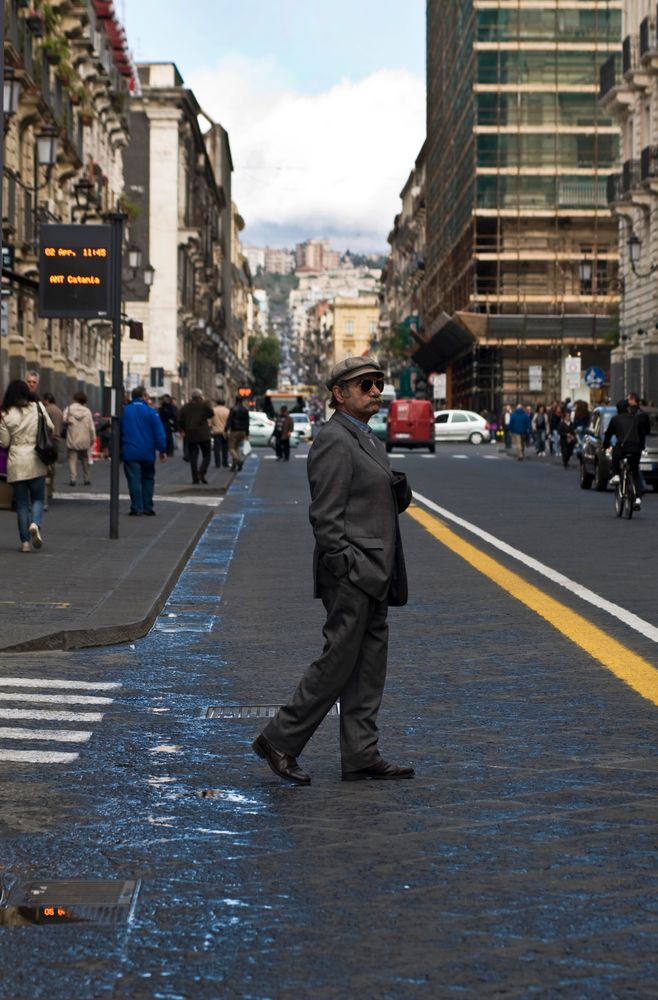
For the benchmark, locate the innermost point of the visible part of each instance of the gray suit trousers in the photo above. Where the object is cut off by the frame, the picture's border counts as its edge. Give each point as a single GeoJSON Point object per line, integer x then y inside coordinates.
{"type": "Point", "coordinates": [352, 667]}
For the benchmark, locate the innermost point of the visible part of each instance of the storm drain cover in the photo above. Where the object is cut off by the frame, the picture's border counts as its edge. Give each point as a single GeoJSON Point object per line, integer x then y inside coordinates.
{"type": "Point", "coordinates": [91, 901]}
{"type": "Point", "coordinates": [250, 711]}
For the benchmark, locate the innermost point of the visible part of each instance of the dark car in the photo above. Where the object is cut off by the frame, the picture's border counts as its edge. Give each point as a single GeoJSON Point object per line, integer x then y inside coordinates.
{"type": "Point", "coordinates": [596, 463]}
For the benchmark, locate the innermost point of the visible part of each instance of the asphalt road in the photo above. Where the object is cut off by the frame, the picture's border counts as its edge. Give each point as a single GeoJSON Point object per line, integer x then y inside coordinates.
{"type": "Point", "coordinates": [519, 862]}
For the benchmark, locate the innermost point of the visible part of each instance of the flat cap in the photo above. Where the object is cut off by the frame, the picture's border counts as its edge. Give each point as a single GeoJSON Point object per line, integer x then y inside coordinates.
{"type": "Point", "coordinates": [197, 394]}
{"type": "Point", "coordinates": [353, 368]}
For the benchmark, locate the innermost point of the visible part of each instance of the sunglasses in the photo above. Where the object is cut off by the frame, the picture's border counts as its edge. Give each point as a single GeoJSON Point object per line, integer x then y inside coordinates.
{"type": "Point", "coordinates": [366, 384]}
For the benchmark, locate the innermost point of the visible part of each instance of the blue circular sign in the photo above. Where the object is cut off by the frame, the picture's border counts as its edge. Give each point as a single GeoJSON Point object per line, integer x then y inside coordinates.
{"type": "Point", "coordinates": [594, 377]}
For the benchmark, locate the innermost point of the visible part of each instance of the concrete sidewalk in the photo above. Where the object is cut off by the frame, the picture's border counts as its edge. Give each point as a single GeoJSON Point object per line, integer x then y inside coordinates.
{"type": "Point", "coordinates": [83, 589]}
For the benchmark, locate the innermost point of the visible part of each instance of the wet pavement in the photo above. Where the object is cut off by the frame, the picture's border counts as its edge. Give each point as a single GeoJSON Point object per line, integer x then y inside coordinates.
{"type": "Point", "coordinates": [519, 862]}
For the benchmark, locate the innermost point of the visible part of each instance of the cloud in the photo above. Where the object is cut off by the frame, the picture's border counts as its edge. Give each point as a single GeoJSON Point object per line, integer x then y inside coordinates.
{"type": "Point", "coordinates": [330, 164]}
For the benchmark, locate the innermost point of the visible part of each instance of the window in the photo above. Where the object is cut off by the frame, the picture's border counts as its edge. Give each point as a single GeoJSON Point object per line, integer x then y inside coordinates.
{"type": "Point", "coordinates": [442, 418]}
{"type": "Point", "coordinates": [372, 326]}
{"type": "Point", "coordinates": [459, 418]}
{"type": "Point", "coordinates": [349, 328]}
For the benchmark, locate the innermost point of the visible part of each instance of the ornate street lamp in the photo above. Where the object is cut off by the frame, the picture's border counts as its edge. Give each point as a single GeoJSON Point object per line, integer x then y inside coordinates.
{"type": "Point", "coordinates": [10, 94]}
{"type": "Point", "coordinates": [83, 192]}
{"type": "Point", "coordinates": [148, 275]}
{"type": "Point", "coordinates": [634, 248]}
{"type": "Point", "coordinates": [134, 258]}
{"type": "Point", "coordinates": [47, 146]}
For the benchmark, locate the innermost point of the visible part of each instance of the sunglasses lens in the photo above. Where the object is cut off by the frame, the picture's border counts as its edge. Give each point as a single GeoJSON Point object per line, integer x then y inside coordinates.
{"type": "Point", "coordinates": [366, 384]}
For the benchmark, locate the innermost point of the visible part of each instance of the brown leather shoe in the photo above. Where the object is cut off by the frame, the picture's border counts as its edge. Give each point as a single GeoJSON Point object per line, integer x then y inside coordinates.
{"type": "Point", "coordinates": [381, 770]}
{"type": "Point", "coordinates": [282, 764]}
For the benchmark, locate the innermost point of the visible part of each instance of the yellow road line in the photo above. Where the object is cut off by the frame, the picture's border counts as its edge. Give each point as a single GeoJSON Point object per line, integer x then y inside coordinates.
{"type": "Point", "coordinates": [622, 662]}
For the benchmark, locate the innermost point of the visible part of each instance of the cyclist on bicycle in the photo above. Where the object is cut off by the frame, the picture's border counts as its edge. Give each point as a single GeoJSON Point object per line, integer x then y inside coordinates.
{"type": "Point", "coordinates": [630, 427]}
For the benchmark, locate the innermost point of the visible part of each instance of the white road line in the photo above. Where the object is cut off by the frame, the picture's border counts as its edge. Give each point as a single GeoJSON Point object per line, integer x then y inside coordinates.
{"type": "Point", "coordinates": [398, 454]}
{"type": "Point", "coordinates": [37, 756]}
{"type": "Point", "coordinates": [58, 735]}
{"type": "Point", "coordinates": [459, 456]}
{"type": "Point", "coordinates": [42, 682]}
{"type": "Point", "coordinates": [61, 699]}
{"type": "Point", "coordinates": [301, 456]}
{"type": "Point", "coordinates": [428, 456]}
{"type": "Point", "coordinates": [494, 457]}
{"type": "Point", "coordinates": [49, 715]}
{"type": "Point", "coordinates": [627, 617]}
{"type": "Point", "coordinates": [202, 500]}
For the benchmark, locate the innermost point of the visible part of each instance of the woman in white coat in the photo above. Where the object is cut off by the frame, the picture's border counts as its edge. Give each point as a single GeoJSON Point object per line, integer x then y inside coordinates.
{"type": "Point", "coordinates": [19, 423]}
{"type": "Point", "coordinates": [80, 434]}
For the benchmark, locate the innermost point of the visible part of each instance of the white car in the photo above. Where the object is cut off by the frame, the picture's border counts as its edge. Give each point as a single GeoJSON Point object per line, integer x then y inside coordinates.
{"type": "Point", "coordinates": [303, 426]}
{"type": "Point", "coordinates": [261, 429]}
{"type": "Point", "coordinates": [460, 425]}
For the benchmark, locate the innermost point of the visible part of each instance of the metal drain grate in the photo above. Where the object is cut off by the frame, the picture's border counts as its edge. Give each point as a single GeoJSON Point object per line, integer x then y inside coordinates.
{"type": "Point", "coordinates": [251, 711]}
{"type": "Point", "coordinates": [92, 901]}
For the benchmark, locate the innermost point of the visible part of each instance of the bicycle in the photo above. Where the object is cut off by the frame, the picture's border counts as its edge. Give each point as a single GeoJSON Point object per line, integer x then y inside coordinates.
{"type": "Point", "coordinates": [625, 493]}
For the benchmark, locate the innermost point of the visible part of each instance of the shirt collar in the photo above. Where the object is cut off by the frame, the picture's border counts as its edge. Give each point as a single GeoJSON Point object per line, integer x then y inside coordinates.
{"type": "Point", "coordinates": [358, 423]}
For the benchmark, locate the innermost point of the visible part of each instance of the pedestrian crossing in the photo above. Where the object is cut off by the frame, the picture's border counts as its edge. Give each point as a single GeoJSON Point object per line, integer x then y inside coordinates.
{"type": "Point", "coordinates": [65, 695]}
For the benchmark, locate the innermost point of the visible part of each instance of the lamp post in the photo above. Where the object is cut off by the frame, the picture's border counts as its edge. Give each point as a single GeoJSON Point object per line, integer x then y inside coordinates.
{"type": "Point", "coordinates": [634, 249]}
{"type": "Point", "coordinates": [116, 220]}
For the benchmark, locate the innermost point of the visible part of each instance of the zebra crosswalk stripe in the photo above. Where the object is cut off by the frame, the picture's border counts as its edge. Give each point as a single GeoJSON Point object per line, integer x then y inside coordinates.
{"type": "Point", "coordinates": [33, 692]}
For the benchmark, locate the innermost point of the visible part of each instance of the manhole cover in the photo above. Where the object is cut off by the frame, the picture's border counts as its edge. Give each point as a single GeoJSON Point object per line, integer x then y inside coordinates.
{"type": "Point", "coordinates": [93, 901]}
{"type": "Point", "coordinates": [250, 711]}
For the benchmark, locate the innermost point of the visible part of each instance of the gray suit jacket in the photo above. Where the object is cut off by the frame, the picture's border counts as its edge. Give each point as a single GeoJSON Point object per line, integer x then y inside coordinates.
{"type": "Point", "coordinates": [355, 500]}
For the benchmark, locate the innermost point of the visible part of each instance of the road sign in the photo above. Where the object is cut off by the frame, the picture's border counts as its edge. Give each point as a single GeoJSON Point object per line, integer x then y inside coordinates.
{"type": "Point", "coordinates": [535, 378]}
{"type": "Point", "coordinates": [75, 269]}
{"type": "Point", "coordinates": [594, 377]}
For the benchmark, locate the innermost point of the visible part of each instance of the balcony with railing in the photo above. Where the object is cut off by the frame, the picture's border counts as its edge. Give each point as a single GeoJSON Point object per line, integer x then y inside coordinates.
{"type": "Point", "coordinates": [649, 168]}
{"type": "Point", "coordinates": [615, 93]}
{"type": "Point", "coordinates": [613, 189]}
{"type": "Point", "coordinates": [630, 176]}
{"type": "Point", "coordinates": [649, 43]}
{"type": "Point", "coordinates": [632, 69]}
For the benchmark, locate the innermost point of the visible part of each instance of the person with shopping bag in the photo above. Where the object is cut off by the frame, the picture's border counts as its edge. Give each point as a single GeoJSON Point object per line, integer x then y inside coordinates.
{"type": "Point", "coordinates": [20, 415]}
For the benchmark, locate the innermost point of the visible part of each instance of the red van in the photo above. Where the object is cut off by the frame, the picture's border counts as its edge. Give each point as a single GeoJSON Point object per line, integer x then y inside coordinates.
{"type": "Point", "coordinates": [410, 424]}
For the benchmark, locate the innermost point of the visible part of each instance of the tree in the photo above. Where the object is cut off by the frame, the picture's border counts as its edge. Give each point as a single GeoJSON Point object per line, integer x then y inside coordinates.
{"type": "Point", "coordinates": [265, 357]}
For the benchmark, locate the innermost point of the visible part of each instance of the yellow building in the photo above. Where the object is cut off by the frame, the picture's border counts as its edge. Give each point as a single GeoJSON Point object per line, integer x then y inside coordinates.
{"type": "Point", "coordinates": [356, 321]}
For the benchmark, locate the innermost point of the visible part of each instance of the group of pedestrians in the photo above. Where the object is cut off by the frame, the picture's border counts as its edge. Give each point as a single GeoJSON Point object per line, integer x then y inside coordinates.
{"type": "Point", "coordinates": [557, 430]}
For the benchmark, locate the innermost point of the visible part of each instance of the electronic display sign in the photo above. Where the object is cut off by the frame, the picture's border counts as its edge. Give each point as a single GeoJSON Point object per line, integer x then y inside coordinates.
{"type": "Point", "coordinates": [75, 271]}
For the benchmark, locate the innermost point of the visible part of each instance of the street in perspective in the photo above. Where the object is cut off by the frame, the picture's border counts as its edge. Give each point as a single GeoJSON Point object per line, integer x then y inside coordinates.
{"type": "Point", "coordinates": [328, 474]}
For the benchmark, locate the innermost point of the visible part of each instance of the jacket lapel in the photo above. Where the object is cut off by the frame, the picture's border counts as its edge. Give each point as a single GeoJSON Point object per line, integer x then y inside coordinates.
{"type": "Point", "coordinates": [368, 443]}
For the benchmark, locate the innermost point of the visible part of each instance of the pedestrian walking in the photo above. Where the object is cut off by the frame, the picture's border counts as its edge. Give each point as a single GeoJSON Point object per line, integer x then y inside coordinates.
{"type": "Point", "coordinates": [80, 436]}
{"type": "Point", "coordinates": [358, 571]}
{"type": "Point", "coordinates": [519, 428]}
{"type": "Point", "coordinates": [237, 426]}
{"type": "Point", "coordinates": [220, 413]}
{"type": "Point", "coordinates": [169, 416]}
{"type": "Point", "coordinates": [142, 434]}
{"type": "Point", "coordinates": [57, 419]}
{"type": "Point", "coordinates": [19, 424]}
{"type": "Point", "coordinates": [32, 382]}
{"type": "Point", "coordinates": [554, 425]}
{"type": "Point", "coordinates": [540, 429]}
{"type": "Point", "coordinates": [283, 428]}
{"type": "Point", "coordinates": [567, 433]}
{"type": "Point", "coordinates": [506, 417]}
{"type": "Point", "coordinates": [193, 421]}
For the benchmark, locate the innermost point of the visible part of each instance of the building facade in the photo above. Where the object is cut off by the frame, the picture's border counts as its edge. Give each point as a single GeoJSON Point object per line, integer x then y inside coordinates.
{"type": "Point", "coordinates": [71, 72]}
{"type": "Point", "coordinates": [628, 92]}
{"type": "Point", "coordinates": [521, 256]}
{"type": "Point", "coordinates": [355, 325]}
{"type": "Point", "coordinates": [316, 255]}
{"type": "Point", "coordinates": [180, 180]}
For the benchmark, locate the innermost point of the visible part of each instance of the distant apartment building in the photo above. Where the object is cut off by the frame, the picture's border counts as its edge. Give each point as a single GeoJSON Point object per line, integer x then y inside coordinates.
{"type": "Point", "coordinates": [628, 92]}
{"type": "Point", "coordinates": [279, 261]}
{"type": "Point", "coordinates": [316, 255]}
{"type": "Point", "coordinates": [356, 324]}
{"type": "Point", "coordinates": [521, 256]}
{"type": "Point", "coordinates": [256, 258]}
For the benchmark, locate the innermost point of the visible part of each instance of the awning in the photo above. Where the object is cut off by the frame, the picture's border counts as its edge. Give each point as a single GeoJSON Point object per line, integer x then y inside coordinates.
{"type": "Point", "coordinates": [449, 341]}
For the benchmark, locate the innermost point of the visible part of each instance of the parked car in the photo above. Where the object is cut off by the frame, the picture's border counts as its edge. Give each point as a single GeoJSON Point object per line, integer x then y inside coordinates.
{"type": "Point", "coordinates": [303, 426]}
{"type": "Point", "coordinates": [461, 425]}
{"type": "Point", "coordinates": [260, 428]}
{"type": "Point", "coordinates": [596, 462]}
{"type": "Point", "coordinates": [409, 424]}
{"type": "Point", "coordinates": [377, 424]}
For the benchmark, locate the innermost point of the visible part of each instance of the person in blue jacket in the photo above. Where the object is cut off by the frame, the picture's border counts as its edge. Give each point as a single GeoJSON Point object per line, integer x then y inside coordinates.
{"type": "Point", "coordinates": [142, 434]}
{"type": "Point", "coordinates": [519, 427]}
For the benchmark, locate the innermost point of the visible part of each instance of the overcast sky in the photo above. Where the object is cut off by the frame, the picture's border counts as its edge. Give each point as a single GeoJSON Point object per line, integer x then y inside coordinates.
{"type": "Point", "coordinates": [324, 102]}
